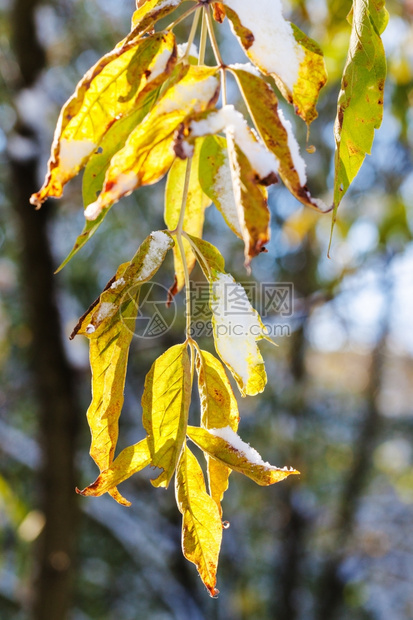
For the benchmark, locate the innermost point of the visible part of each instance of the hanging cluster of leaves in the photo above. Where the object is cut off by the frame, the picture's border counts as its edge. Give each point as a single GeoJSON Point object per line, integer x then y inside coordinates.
{"type": "Point", "coordinates": [149, 108]}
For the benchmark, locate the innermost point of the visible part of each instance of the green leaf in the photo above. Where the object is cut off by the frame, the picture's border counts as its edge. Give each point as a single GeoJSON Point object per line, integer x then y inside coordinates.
{"type": "Point", "coordinates": [360, 102]}
{"type": "Point", "coordinates": [129, 462]}
{"type": "Point", "coordinates": [165, 404]}
{"type": "Point", "coordinates": [209, 258]}
{"type": "Point", "coordinates": [196, 204]}
{"type": "Point", "coordinates": [201, 523]}
{"type": "Point", "coordinates": [276, 133]}
{"type": "Point", "coordinates": [219, 409]}
{"type": "Point", "coordinates": [149, 151]}
{"type": "Point", "coordinates": [280, 49]}
{"type": "Point", "coordinates": [108, 325]}
{"type": "Point", "coordinates": [108, 91]}
{"type": "Point", "coordinates": [226, 446]}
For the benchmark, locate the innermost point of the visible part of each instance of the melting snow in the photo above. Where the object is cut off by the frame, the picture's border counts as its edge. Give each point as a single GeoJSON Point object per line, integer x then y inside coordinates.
{"type": "Point", "coordinates": [186, 93]}
{"type": "Point", "coordinates": [118, 283]}
{"type": "Point", "coordinates": [105, 309]}
{"type": "Point", "coordinates": [224, 190]}
{"type": "Point", "coordinates": [159, 65]}
{"type": "Point", "coordinates": [159, 244]}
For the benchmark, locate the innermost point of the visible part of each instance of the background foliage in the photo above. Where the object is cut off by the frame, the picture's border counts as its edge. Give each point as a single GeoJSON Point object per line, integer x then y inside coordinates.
{"type": "Point", "coordinates": [334, 544]}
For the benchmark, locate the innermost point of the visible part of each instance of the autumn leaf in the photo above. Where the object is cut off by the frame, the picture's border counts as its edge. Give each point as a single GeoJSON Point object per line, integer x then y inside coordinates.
{"type": "Point", "coordinates": [148, 153]}
{"type": "Point", "coordinates": [108, 325]}
{"type": "Point", "coordinates": [360, 102]}
{"type": "Point", "coordinates": [201, 522]}
{"type": "Point", "coordinates": [252, 167]}
{"type": "Point", "coordinates": [277, 134]}
{"type": "Point", "coordinates": [280, 49]}
{"type": "Point", "coordinates": [165, 405]}
{"type": "Point", "coordinates": [228, 448]}
{"type": "Point", "coordinates": [114, 87]}
{"type": "Point", "coordinates": [235, 340]}
{"type": "Point", "coordinates": [129, 462]}
{"type": "Point", "coordinates": [196, 203]}
{"type": "Point", "coordinates": [219, 409]}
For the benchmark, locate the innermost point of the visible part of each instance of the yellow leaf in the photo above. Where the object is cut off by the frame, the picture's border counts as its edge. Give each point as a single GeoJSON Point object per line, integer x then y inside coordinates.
{"type": "Point", "coordinates": [129, 462]}
{"type": "Point", "coordinates": [109, 325]}
{"type": "Point", "coordinates": [228, 448]}
{"type": "Point", "coordinates": [195, 207]}
{"type": "Point", "coordinates": [201, 523]}
{"type": "Point", "coordinates": [276, 133]}
{"type": "Point", "coordinates": [149, 151]}
{"type": "Point", "coordinates": [218, 409]}
{"type": "Point", "coordinates": [107, 92]}
{"type": "Point", "coordinates": [165, 404]}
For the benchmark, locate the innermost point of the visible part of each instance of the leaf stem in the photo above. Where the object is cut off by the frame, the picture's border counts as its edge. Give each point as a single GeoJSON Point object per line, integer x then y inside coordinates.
{"type": "Point", "coordinates": [182, 17]}
{"type": "Point", "coordinates": [192, 33]}
{"type": "Point", "coordinates": [203, 40]}
{"type": "Point", "coordinates": [217, 53]}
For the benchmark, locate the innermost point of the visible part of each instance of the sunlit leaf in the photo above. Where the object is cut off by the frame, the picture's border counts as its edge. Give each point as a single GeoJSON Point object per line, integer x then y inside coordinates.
{"type": "Point", "coordinates": [165, 405]}
{"type": "Point", "coordinates": [149, 151]}
{"type": "Point", "coordinates": [201, 522]}
{"type": "Point", "coordinates": [111, 89]}
{"type": "Point", "coordinates": [129, 462]}
{"type": "Point", "coordinates": [108, 325]}
{"type": "Point", "coordinates": [252, 167]}
{"type": "Point", "coordinates": [219, 409]}
{"type": "Point", "coordinates": [196, 203]}
{"type": "Point", "coordinates": [236, 325]}
{"type": "Point", "coordinates": [280, 49]}
{"type": "Point", "coordinates": [216, 180]}
{"type": "Point", "coordinates": [228, 448]}
{"type": "Point", "coordinates": [360, 102]}
{"type": "Point", "coordinates": [277, 134]}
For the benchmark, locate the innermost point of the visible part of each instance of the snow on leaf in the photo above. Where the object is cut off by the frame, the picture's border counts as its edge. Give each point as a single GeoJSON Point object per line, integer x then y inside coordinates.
{"type": "Point", "coordinates": [237, 327]}
{"type": "Point", "coordinates": [219, 409]}
{"type": "Point", "coordinates": [224, 445]}
{"type": "Point", "coordinates": [165, 404]}
{"type": "Point", "coordinates": [196, 204]}
{"type": "Point", "coordinates": [216, 180]}
{"type": "Point", "coordinates": [109, 326]}
{"type": "Point", "coordinates": [360, 102]}
{"type": "Point", "coordinates": [276, 132]}
{"type": "Point", "coordinates": [201, 522]}
{"type": "Point", "coordinates": [129, 462]}
{"type": "Point", "coordinates": [109, 90]}
{"type": "Point", "coordinates": [280, 49]}
{"type": "Point", "coordinates": [148, 153]}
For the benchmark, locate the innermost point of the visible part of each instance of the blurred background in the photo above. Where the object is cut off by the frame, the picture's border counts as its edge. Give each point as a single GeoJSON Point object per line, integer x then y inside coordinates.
{"type": "Point", "coordinates": [333, 544]}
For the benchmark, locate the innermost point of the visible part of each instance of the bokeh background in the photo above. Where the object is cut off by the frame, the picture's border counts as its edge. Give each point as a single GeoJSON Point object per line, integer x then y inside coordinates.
{"type": "Point", "coordinates": [335, 543]}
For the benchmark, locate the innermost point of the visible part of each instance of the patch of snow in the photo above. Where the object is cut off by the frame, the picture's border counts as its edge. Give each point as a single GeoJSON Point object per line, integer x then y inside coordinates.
{"type": "Point", "coordinates": [182, 47]}
{"type": "Point", "coordinates": [227, 118]}
{"type": "Point", "coordinates": [275, 49]}
{"type": "Point", "coordinates": [124, 185]}
{"type": "Point", "coordinates": [93, 211]}
{"type": "Point", "coordinates": [246, 450]}
{"type": "Point", "coordinates": [247, 66]}
{"type": "Point", "coordinates": [236, 325]}
{"type": "Point", "coordinates": [159, 65]}
{"type": "Point", "coordinates": [160, 242]}
{"type": "Point", "coordinates": [90, 329]}
{"type": "Point", "coordinates": [118, 283]}
{"type": "Point", "coordinates": [194, 93]}
{"type": "Point", "coordinates": [105, 310]}
{"type": "Point", "coordinates": [298, 161]}
{"type": "Point", "coordinates": [73, 152]}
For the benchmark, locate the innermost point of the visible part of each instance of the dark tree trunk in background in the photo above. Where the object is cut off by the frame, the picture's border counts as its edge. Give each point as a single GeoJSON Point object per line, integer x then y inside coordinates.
{"type": "Point", "coordinates": [52, 374]}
